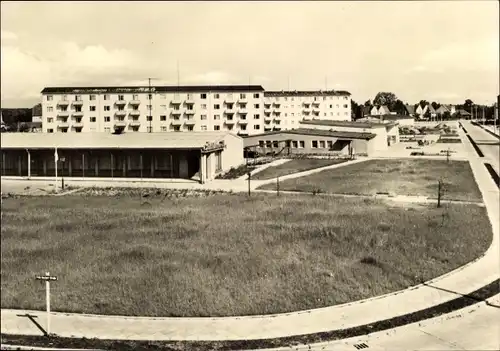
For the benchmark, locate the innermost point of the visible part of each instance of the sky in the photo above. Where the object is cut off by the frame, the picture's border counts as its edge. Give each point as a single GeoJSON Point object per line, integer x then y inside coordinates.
{"type": "Point", "coordinates": [420, 50]}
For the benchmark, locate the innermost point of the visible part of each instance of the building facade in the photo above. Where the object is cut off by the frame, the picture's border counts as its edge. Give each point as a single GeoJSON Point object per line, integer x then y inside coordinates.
{"type": "Point", "coordinates": [284, 110]}
{"type": "Point", "coordinates": [239, 109]}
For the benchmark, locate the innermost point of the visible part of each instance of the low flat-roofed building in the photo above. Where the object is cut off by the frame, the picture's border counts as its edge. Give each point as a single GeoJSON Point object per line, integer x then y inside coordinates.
{"type": "Point", "coordinates": [310, 141]}
{"type": "Point", "coordinates": [386, 133]}
{"type": "Point", "coordinates": [130, 155]}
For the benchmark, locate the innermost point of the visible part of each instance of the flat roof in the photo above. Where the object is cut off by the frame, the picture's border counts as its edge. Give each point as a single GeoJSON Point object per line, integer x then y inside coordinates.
{"type": "Point", "coordinates": [154, 89]}
{"type": "Point", "coordinates": [307, 93]}
{"type": "Point", "coordinates": [99, 140]}
{"type": "Point", "coordinates": [350, 124]}
{"type": "Point", "coordinates": [319, 132]}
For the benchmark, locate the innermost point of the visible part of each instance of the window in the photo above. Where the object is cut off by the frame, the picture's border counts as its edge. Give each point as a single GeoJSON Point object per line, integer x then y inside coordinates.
{"type": "Point", "coordinates": [216, 107]}
{"type": "Point", "coordinates": [293, 114]}
{"type": "Point", "coordinates": [322, 144]}
{"type": "Point", "coordinates": [149, 129]}
{"type": "Point", "coordinates": [329, 144]}
{"type": "Point", "coordinates": [189, 96]}
{"type": "Point", "coordinates": [203, 127]}
{"type": "Point", "coordinates": [216, 96]}
{"type": "Point", "coordinates": [261, 143]}
{"type": "Point", "coordinates": [106, 97]}
{"type": "Point", "coordinates": [218, 161]}
{"type": "Point", "coordinates": [176, 128]}
{"type": "Point", "coordinates": [107, 119]}
{"type": "Point", "coordinates": [163, 96]}
{"type": "Point", "coordinates": [107, 108]}
{"type": "Point", "coordinates": [286, 114]}
{"type": "Point", "coordinates": [203, 117]}
{"type": "Point", "coordinates": [203, 106]}
{"type": "Point", "coordinates": [243, 127]}
{"type": "Point", "coordinates": [295, 144]}
{"type": "Point", "coordinates": [256, 116]}
{"type": "Point", "coordinates": [331, 106]}
{"type": "Point", "coordinates": [92, 108]}
{"type": "Point", "coordinates": [346, 113]}
{"type": "Point", "coordinates": [150, 107]}
{"type": "Point", "coordinates": [243, 96]}
{"type": "Point", "coordinates": [92, 97]}
{"type": "Point", "coordinates": [268, 144]}
{"type": "Point", "coordinates": [135, 97]}
{"type": "Point", "coordinates": [163, 107]}
{"type": "Point", "coordinates": [302, 144]}
{"type": "Point", "coordinates": [107, 129]}
{"type": "Point", "coordinates": [216, 117]}
{"type": "Point", "coordinates": [256, 96]}
{"type": "Point", "coordinates": [50, 98]}
{"type": "Point", "coordinates": [50, 109]}
{"type": "Point", "coordinates": [50, 120]}
{"type": "Point", "coordinates": [324, 114]}
{"type": "Point", "coordinates": [337, 105]}
{"type": "Point", "coordinates": [256, 106]}
{"type": "Point", "coordinates": [163, 128]}
{"type": "Point", "coordinates": [324, 98]}
{"type": "Point", "coordinates": [190, 107]}
{"type": "Point", "coordinates": [256, 127]}
{"type": "Point", "coordinates": [163, 118]}
{"type": "Point", "coordinates": [345, 105]}
{"type": "Point", "coordinates": [203, 96]}
{"type": "Point", "coordinates": [121, 97]}
{"type": "Point", "coordinates": [150, 96]}
{"type": "Point", "coordinates": [315, 144]}
{"type": "Point", "coordinates": [275, 144]}
{"type": "Point", "coordinates": [292, 100]}
{"type": "Point", "coordinates": [190, 128]}
{"type": "Point", "coordinates": [176, 108]}
{"type": "Point", "coordinates": [331, 113]}
{"type": "Point", "coordinates": [216, 127]}
{"type": "Point", "coordinates": [93, 119]}
{"type": "Point", "coordinates": [50, 130]}
{"type": "Point", "coordinates": [149, 118]}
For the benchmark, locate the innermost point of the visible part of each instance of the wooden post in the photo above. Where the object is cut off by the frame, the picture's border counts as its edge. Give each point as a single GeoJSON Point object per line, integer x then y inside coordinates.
{"type": "Point", "coordinates": [29, 163]}
{"type": "Point", "coordinates": [249, 178]}
{"type": "Point", "coordinates": [112, 163]}
{"type": "Point", "coordinates": [439, 194]}
{"type": "Point", "coordinates": [140, 163]}
{"type": "Point", "coordinates": [83, 164]}
{"type": "Point", "coordinates": [278, 185]}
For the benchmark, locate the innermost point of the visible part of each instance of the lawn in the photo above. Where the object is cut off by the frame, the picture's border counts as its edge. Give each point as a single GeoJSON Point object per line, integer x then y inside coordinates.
{"type": "Point", "coordinates": [397, 176]}
{"type": "Point", "coordinates": [225, 254]}
{"type": "Point", "coordinates": [294, 166]}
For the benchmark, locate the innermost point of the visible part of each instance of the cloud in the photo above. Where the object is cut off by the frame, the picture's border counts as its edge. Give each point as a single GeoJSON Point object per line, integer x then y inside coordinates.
{"type": "Point", "coordinates": [24, 74]}
{"type": "Point", "coordinates": [8, 36]}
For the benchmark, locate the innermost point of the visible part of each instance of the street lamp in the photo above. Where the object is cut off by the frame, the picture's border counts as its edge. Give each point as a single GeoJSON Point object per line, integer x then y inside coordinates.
{"type": "Point", "coordinates": [62, 159]}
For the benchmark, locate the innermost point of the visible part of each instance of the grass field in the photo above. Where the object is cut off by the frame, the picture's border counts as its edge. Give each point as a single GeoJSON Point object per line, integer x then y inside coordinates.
{"type": "Point", "coordinates": [225, 254]}
{"type": "Point", "coordinates": [294, 166]}
{"type": "Point", "coordinates": [399, 176]}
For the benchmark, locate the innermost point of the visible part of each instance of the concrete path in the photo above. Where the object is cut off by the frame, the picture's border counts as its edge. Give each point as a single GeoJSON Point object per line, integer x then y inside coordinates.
{"type": "Point", "coordinates": [463, 280]}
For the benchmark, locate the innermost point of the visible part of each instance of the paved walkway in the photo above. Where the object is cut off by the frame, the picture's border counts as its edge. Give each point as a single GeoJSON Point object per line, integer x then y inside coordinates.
{"type": "Point", "coordinates": [463, 280]}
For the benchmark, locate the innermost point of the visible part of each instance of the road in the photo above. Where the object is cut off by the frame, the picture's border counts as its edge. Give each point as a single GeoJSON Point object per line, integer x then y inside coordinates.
{"type": "Point", "coordinates": [488, 144]}
{"type": "Point", "coordinates": [475, 327]}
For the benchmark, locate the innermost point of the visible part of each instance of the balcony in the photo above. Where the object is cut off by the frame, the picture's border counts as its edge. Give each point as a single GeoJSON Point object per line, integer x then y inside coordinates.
{"type": "Point", "coordinates": [77, 114]}
{"type": "Point", "coordinates": [229, 121]}
{"type": "Point", "coordinates": [135, 113]}
{"type": "Point", "coordinates": [189, 112]}
{"type": "Point", "coordinates": [134, 123]}
{"type": "Point", "coordinates": [189, 100]}
{"type": "Point", "coordinates": [176, 122]}
{"type": "Point", "coordinates": [63, 103]}
{"type": "Point", "coordinates": [229, 111]}
{"type": "Point", "coordinates": [176, 100]}
{"type": "Point", "coordinates": [315, 103]}
{"type": "Point", "coordinates": [306, 104]}
{"type": "Point", "coordinates": [243, 122]}
{"type": "Point", "coordinates": [62, 113]}
{"type": "Point", "coordinates": [268, 129]}
{"type": "Point", "coordinates": [120, 103]}
{"type": "Point", "coordinates": [277, 103]}
{"type": "Point", "coordinates": [62, 124]}
{"type": "Point", "coordinates": [135, 102]}
{"type": "Point", "coordinates": [190, 122]}
{"type": "Point", "coordinates": [277, 112]}
{"type": "Point", "coordinates": [242, 99]}
{"type": "Point", "coordinates": [243, 111]}
{"type": "Point", "coordinates": [229, 99]}
{"type": "Point", "coordinates": [176, 113]}
{"type": "Point", "coordinates": [119, 124]}
{"type": "Point", "coordinates": [121, 113]}
{"type": "Point", "coordinates": [315, 110]}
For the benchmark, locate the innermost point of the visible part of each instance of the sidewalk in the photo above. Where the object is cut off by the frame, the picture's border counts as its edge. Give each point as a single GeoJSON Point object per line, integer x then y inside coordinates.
{"type": "Point", "coordinates": [464, 280]}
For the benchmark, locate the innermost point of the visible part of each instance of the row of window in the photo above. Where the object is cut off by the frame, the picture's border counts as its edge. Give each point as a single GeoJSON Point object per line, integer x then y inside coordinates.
{"type": "Point", "coordinates": [315, 144]}
{"type": "Point", "coordinates": [121, 97]}
{"type": "Point", "coordinates": [149, 129]}
{"type": "Point", "coordinates": [303, 98]}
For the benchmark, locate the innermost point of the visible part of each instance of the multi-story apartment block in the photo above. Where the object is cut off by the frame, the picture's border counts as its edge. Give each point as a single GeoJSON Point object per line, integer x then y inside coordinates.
{"type": "Point", "coordinates": [285, 109]}
{"type": "Point", "coordinates": [241, 109]}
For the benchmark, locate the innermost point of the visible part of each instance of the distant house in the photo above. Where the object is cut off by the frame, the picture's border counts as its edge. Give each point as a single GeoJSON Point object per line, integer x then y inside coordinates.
{"type": "Point", "coordinates": [446, 108]}
{"type": "Point", "coordinates": [420, 111]}
{"type": "Point", "coordinates": [410, 110]}
{"type": "Point", "coordinates": [36, 115]}
{"type": "Point", "coordinates": [374, 111]}
{"type": "Point", "coordinates": [463, 114]}
{"type": "Point", "coordinates": [399, 119]}
{"type": "Point", "coordinates": [380, 110]}
{"type": "Point", "coordinates": [432, 111]}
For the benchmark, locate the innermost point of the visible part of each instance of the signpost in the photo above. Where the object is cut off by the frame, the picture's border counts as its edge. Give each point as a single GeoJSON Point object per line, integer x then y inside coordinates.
{"type": "Point", "coordinates": [47, 278]}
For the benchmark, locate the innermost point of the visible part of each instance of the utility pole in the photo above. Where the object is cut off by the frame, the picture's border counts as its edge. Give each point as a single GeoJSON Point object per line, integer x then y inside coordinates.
{"type": "Point", "coordinates": [150, 105]}
{"type": "Point", "coordinates": [439, 193]}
